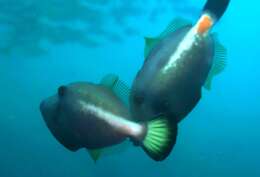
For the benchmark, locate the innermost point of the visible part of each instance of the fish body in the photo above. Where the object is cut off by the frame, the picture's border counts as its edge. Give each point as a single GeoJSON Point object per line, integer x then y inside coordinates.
{"type": "Point", "coordinates": [176, 68]}
{"type": "Point", "coordinates": [85, 115]}
{"type": "Point", "coordinates": [172, 88]}
{"type": "Point", "coordinates": [91, 116]}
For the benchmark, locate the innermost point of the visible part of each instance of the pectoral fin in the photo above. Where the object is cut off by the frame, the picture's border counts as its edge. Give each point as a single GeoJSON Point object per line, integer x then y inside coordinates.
{"type": "Point", "coordinates": [219, 62]}
{"type": "Point", "coordinates": [113, 82]}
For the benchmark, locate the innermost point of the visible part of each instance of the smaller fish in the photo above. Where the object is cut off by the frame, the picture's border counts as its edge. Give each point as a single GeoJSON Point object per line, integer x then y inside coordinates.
{"type": "Point", "coordinates": [92, 116]}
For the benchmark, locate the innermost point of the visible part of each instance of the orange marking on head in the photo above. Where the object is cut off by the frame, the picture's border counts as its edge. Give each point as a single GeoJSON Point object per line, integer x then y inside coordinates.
{"type": "Point", "coordinates": [205, 24]}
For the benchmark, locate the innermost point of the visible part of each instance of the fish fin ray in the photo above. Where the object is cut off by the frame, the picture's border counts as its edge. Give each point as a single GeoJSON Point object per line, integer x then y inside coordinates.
{"type": "Point", "coordinates": [173, 26]}
{"type": "Point", "coordinates": [95, 154]}
{"type": "Point", "coordinates": [160, 138]}
{"type": "Point", "coordinates": [219, 62]}
{"type": "Point", "coordinates": [150, 43]}
{"type": "Point", "coordinates": [120, 88]}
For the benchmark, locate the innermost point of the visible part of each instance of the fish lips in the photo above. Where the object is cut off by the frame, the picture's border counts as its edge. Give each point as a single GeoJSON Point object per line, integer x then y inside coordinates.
{"type": "Point", "coordinates": [55, 120]}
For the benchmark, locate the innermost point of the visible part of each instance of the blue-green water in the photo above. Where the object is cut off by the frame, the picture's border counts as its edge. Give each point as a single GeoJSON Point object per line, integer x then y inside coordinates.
{"type": "Point", "coordinates": [220, 137]}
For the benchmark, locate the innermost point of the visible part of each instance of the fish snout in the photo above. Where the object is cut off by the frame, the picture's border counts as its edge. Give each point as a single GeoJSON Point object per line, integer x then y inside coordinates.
{"type": "Point", "coordinates": [58, 123]}
{"type": "Point", "coordinates": [43, 108]}
{"type": "Point", "coordinates": [49, 108]}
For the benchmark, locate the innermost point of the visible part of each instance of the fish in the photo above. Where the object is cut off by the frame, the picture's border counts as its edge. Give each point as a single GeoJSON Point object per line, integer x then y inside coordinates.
{"type": "Point", "coordinates": [92, 116]}
{"type": "Point", "coordinates": [178, 64]}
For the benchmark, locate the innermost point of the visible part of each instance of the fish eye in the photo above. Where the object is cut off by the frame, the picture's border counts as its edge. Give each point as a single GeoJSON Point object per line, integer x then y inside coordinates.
{"type": "Point", "coordinates": [62, 90]}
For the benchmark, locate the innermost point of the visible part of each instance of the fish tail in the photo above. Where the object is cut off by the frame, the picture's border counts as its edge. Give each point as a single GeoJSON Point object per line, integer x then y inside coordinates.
{"type": "Point", "coordinates": [212, 12]}
{"type": "Point", "coordinates": [216, 8]}
{"type": "Point", "coordinates": [159, 139]}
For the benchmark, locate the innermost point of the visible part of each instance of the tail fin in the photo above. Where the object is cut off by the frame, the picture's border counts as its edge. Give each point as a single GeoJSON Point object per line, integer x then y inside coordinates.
{"type": "Point", "coordinates": [216, 8]}
{"type": "Point", "coordinates": [160, 138]}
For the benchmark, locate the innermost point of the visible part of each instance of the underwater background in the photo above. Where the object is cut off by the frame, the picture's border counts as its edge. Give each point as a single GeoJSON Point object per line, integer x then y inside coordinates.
{"type": "Point", "coordinates": [45, 44]}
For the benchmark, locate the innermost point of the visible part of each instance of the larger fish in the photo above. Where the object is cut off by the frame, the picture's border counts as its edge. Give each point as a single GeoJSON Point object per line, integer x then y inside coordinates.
{"type": "Point", "coordinates": [91, 116]}
{"type": "Point", "coordinates": [178, 63]}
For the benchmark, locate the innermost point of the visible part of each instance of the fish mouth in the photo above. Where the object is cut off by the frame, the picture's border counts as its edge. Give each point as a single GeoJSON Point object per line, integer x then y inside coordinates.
{"type": "Point", "coordinates": [56, 124]}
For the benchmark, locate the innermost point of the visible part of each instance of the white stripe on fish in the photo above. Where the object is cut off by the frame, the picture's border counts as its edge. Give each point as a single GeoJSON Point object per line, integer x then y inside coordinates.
{"type": "Point", "coordinates": [120, 123]}
{"type": "Point", "coordinates": [188, 41]}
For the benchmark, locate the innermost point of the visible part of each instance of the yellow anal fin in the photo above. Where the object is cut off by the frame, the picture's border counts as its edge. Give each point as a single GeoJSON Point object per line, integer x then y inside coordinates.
{"type": "Point", "coordinates": [95, 154]}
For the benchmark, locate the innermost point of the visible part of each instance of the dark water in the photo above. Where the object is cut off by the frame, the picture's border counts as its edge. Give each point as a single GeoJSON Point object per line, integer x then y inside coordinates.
{"type": "Point", "coordinates": [219, 138]}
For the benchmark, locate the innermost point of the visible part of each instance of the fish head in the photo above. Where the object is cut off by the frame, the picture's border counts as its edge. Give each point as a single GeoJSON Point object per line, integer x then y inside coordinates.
{"type": "Point", "coordinates": [74, 115]}
{"type": "Point", "coordinates": [53, 110]}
